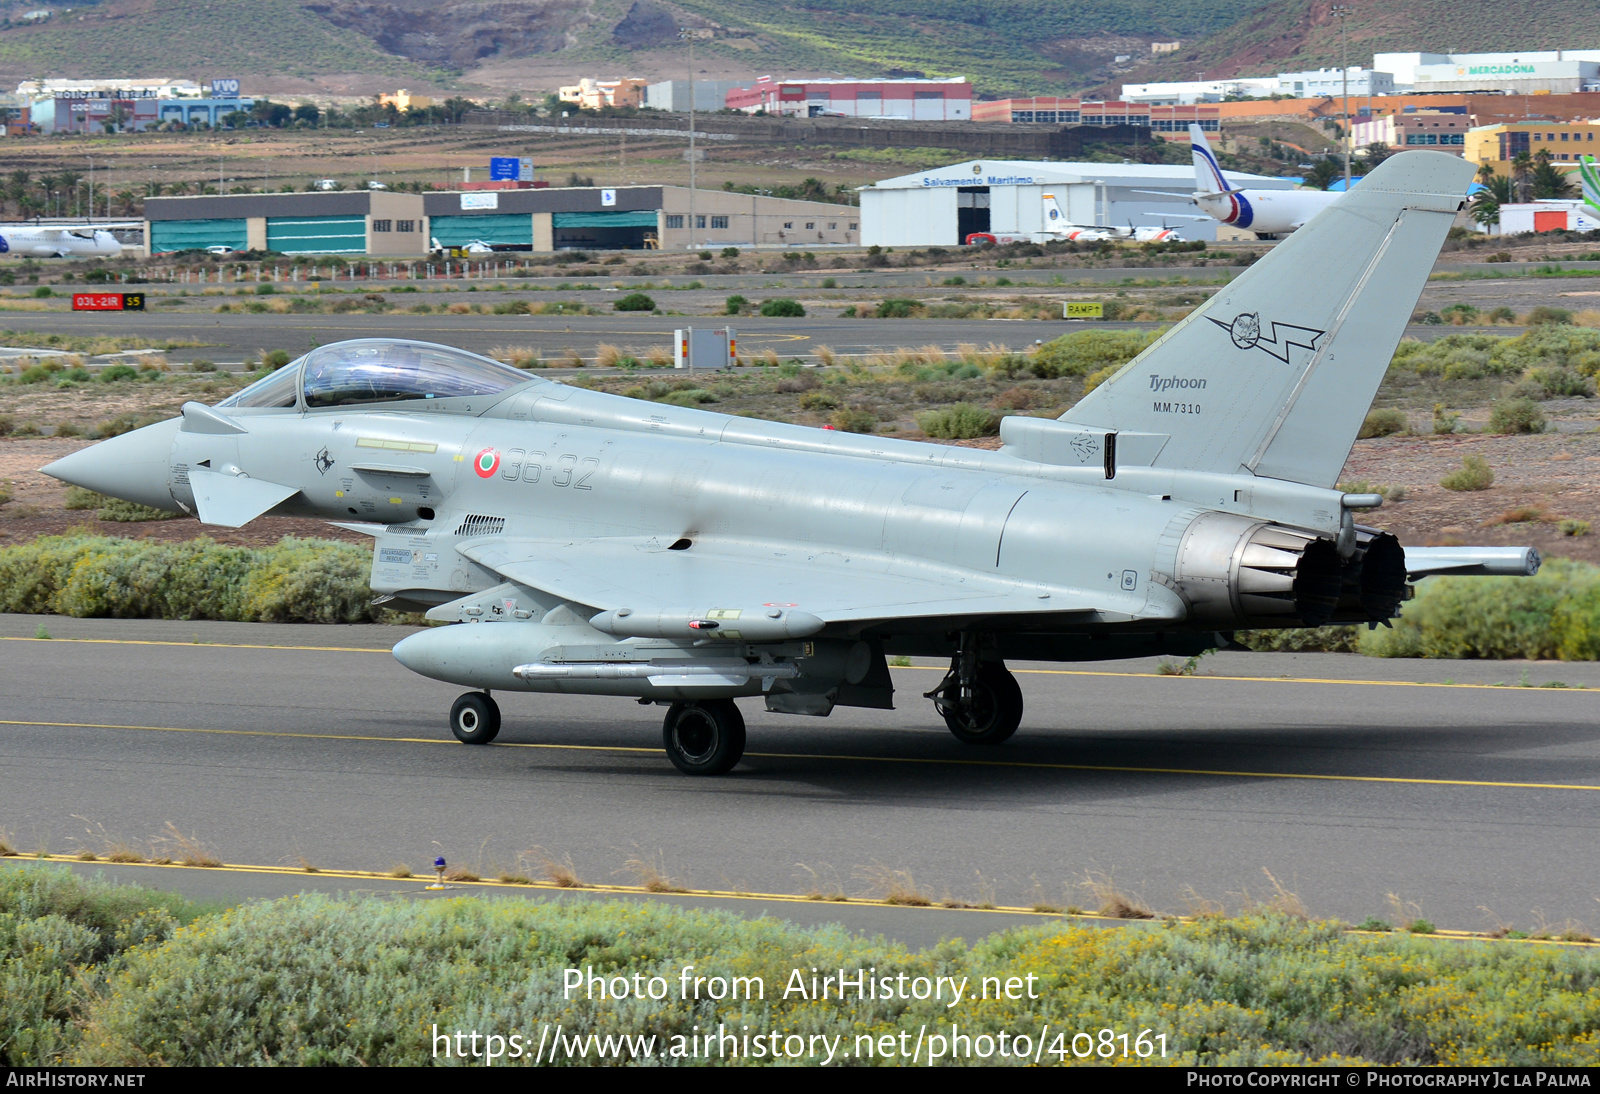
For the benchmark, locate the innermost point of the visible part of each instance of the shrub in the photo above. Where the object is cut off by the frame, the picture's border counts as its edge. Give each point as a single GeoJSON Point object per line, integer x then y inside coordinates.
{"type": "Point", "coordinates": [735, 305]}
{"type": "Point", "coordinates": [266, 288]}
{"type": "Point", "coordinates": [1474, 474]}
{"type": "Point", "coordinates": [897, 308]}
{"type": "Point", "coordinates": [1083, 352]}
{"type": "Point", "coordinates": [1556, 383]}
{"type": "Point", "coordinates": [275, 359]}
{"type": "Point", "coordinates": [958, 421]}
{"type": "Point", "coordinates": [730, 252]}
{"type": "Point", "coordinates": [854, 419]}
{"type": "Point", "coordinates": [1383, 423]}
{"type": "Point", "coordinates": [1521, 415]}
{"type": "Point", "coordinates": [782, 308]}
{"type": "Point", "coordinates": [1574, 527]}
{"type": "Point", "coordinates": [1555, 615]}
{"type": "Point", "coordinates": [1543, 315]}
{"type": "Point", "coordinates": [113, 373]}
{"type": "Point", "coordinates": [636, 301]}
{"type": "Point", "coordinates": [43, 291]}
{"type": "Point", "coordinates": [296, 580]}
{"type": "Point", "coordinates": [1302, 639]}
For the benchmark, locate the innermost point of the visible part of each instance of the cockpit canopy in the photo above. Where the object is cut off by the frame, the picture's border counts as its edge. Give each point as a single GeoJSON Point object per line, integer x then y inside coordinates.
{"type": "Point", "coordinates": [377, 370]}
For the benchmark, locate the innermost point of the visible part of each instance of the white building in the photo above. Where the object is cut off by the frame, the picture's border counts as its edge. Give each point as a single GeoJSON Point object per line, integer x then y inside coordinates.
{"type": "Point", "coordinates": [30, 90]}
{"type": "Point", "coordinates": [1512, 77]}
{"type": "Point", "coordinates": [1320, 83]}
{"type": "Point", "coordinates": [709, 95]}
{"type": "Point", "coordinates": [1006, 197]}
{"type": "Point", "coordinates": [1404, 66]}
{"type": "Point", "coordinates": [1546, 215]}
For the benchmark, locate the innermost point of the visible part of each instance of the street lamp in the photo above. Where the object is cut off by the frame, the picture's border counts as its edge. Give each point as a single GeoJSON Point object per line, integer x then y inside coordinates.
{"type": "Point", "coordinates": [91, 188]}
{"type": "Point", "coordinates": [687, 34]}
{"type": "Point", "coordinates": [1342, 12]}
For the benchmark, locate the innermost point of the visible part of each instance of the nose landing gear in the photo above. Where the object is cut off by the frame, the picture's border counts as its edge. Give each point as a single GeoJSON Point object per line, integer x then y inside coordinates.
{"type": "Point", "coordinates": [979, 700]}
{"type": "Point", "coordinates": [475, 718]}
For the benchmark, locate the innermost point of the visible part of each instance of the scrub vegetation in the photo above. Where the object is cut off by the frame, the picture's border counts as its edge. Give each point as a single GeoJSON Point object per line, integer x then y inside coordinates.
{"type": "Point", "coordinates": [116, 976]}
{"type": "Point", "coordinates": [295, 581]}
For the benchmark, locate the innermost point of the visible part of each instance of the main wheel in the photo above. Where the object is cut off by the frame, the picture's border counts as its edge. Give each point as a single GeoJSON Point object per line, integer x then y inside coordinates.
{"type": "Point", "coordinates": [995, 711]}
{"type": "Point", "coordinates": [704, 738]}
{"type": "Point", "coordinates": [475, 718]}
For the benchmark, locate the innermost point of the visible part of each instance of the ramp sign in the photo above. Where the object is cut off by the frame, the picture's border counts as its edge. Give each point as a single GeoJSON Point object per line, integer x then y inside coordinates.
{"type": "Point", "coordinates": [1081, 309]}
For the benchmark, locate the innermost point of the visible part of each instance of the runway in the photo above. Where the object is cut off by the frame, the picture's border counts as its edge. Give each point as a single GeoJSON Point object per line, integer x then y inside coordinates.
{"type": "Point", "coordinates": [1348, 779]}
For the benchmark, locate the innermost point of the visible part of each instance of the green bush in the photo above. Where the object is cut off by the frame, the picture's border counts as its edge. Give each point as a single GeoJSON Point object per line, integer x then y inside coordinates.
{"type": "Point", "coordinates": [782, 308]}
{"type": "Point", "coordinates": [1521, 415]}
{"type": "Point", "coordinates": [43, 291]}
{"type": "Point", "coordinates": [730, 252]}
{"type": "Point", "coordinates": [1302, 640]}
{"type": "Point", "coordinates": [635, 301]}
{"type": "Point", "coordinates": [1543, 315]}
{"type": "Point", "coordinates": [296, 580]}
{"type": "Point", "coordinates": [735, 305]}
{"type": "Point", "coordinates": [106, 977]}
{"type": "Point", "coordinates": [1555, 615]}
{"type": "Point", "coordinates": [266, 288]}
{"type": "Point", "coordinates": [854, 419]}
{"type": "Point", "coordinates": [1083, 352]}
{"type": "Point", "coordinates": [113, 373]}
{"type": "Point", "coordinates": [958, 421]}
{"type": "Point", "coordinates": [1474, 474]}
{"type": "Point", "coordinates": [1383, 423]}
{"type": "Point", "coordinates": [275, 359]}
{"type": "Point", "coordinates": [898, 308]}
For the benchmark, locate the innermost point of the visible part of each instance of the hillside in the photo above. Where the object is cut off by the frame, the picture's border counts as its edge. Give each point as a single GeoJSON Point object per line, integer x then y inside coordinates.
{"type": "Point", "coordinates": [1290, 35]}
{"type": "Point", "coordinates": [360, 46]}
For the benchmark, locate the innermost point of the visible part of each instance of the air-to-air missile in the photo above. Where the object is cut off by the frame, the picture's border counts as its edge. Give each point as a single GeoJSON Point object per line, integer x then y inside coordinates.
{"type": "Point", "coordinates": [586, 543]}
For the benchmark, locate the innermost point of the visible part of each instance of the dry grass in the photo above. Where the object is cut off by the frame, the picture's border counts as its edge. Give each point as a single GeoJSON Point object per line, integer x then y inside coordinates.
{"type": "Point", "coordinates": [1198, 906]}
{"type": "Point", "coordinates": [506, 877]}
{"type": "Point", "coordinates": [86, 856]}
{"type": "Point", "coordinates": [573, 359]}
{"type": "Point", "coordinates": [607, 355]}
{"type": "Point", "coordinates": [649, 872]}
{"type": "Point", "coordinates": [1112, 901]}
{"type": "Point", "coordinates": [523, 357]}
{"type": "Point", "coordinates": [659, 356]}
{"type": "Point", "coordinates": [826, 357]}
{"type": "Point", "coordinates": [1282, 901]}
{"type": "Point", "coordinates": [400, 870]}
{"type": "Point", "coordinates": [306, 866]}
{"type": "Point", "coordinates": [121, 852]}
{"type": "Point", "coordinates": [769, 357]}
{"type": "Point", "coordinates": [892, 886]}
{"type": "Point", "coordinates": [820, 888]}
{"type": "Point", "coordinates": [560, 872]}
{"type": "Point", "coordinates": [7, 848]}
{"type": "Point", "coordinates": [1526, 514]}
{"type": "Point", "coordinates": [184, 850]}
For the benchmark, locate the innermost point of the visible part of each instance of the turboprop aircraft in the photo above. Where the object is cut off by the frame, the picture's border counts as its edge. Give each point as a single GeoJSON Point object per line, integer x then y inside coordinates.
{"type": "Point", "coordinates": [1267, 213]}
{"type": "Point", "coordinates": [1056, 226]}
{"type": "Point", "coordinates": [62, 241]}
{"type": "Point", "coordinates": [594, 544]}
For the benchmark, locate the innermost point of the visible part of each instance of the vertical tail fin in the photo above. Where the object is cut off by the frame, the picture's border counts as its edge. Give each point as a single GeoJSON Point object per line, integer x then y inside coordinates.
{"type": "Point", "coordinates": [1054, 218]}
{"type": "Point", "coordinates": [1273, 375]}
{"type": "Point", "coordinates": [1589, 172]}
{"type": "Point", "coordinates": [1207, 171]}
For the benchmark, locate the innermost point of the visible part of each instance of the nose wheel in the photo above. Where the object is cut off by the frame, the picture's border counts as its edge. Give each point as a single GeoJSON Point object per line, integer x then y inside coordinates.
{"type": "Point", "coordinates": [475, 718]}
{"type": "Point", "coordinates": [704, 738]}
{"type": "Point", "coordinates": [979, 700]}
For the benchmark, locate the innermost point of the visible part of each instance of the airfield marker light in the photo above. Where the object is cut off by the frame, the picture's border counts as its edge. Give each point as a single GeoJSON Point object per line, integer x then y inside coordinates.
{"type": "Point", "coordinates": [438, 868]}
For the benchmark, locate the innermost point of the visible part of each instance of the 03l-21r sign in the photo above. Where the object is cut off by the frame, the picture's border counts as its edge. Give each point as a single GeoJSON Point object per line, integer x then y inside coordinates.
{"type": "Point", "coordinates": [108, 301]}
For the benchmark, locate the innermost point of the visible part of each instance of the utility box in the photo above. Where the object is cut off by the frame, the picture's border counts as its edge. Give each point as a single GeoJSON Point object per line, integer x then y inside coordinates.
{"type": "Point", "coordinates": [704, 349]}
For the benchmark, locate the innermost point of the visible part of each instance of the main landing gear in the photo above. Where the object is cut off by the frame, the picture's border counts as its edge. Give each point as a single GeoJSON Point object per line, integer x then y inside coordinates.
{"type": "Point", "coordinates": [979, 700]}
{"type": "Point", "coordinates": [704, 738]}
{"type": "Point", "coordinates": [475, 718]}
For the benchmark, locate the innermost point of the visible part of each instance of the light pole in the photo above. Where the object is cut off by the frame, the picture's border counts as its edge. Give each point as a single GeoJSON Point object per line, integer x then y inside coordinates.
{"type": "Point", "coordinates": [91, 188]}
{"type": "Point", "coordinates": [687, 34]}
{"type": "Point", "coordinates": [1342, 13]}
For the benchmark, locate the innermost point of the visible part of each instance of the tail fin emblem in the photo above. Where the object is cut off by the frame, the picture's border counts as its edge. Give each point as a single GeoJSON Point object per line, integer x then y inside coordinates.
{"type": "Point", "coordinates": [1245, 330]}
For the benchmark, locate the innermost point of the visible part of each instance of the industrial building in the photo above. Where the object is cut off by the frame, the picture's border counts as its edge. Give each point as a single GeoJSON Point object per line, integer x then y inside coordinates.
{"type": "Point", "coordinates": [385, 224]}
{"type": "Point", "coordinates": [673, 95]}
{"type": "Point", "coordinates": [1297, 85]}
{"type": "Point", "coordinates": [87, 106]}
{"type": "Point", "coordinates": [1440, 130]}
{"type": "Point", "coordinates": [1498, 145]}
{"type": "Point", "coordinates": [1056, 111]}
{"type": "Point", "coordinates": [943, 206]}
{"type": "Point", "coordinates": [1518, 72]}
{"type": "Point", "coordinates": [912, 100]}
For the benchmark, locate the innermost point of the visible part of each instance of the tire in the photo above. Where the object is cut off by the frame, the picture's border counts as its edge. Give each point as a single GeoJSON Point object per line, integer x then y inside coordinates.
{"type": "Point", "coordinates": [475, 718]}
{"type": "Point", "coordinates": [996, 707]}
{"type": "Point", "coordinates": [704, 738]}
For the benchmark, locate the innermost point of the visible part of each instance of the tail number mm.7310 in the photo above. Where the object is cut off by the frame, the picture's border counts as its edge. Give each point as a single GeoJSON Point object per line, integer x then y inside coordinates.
{"type": "Point", "coordinates": [1175, 408]}
{"type": "Point", "coordinates": [568, 470]}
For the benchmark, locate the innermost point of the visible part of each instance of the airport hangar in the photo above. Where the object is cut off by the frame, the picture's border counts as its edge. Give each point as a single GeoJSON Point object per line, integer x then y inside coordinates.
{"type": "Point", "coordinates": [387, 224]}
{"type": "Point", "coordinates": [943, 206]}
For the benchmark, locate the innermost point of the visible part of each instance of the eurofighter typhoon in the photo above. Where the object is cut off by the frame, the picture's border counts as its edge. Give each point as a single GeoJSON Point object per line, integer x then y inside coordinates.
{"type": "Point", "coordinates": [586, 543]}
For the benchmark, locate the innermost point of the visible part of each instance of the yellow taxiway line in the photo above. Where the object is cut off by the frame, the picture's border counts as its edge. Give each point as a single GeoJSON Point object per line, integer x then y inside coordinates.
{"type": "Point", "coordinates": [843, 757]}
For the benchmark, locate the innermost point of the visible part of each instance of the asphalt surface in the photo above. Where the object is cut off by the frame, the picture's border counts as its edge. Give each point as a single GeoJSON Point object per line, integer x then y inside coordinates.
{"type": "Point", "coordinates": [1339, 775]}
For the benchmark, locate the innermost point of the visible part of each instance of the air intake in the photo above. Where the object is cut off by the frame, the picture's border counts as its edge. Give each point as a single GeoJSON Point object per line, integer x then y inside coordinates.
{"type": "Point", "coordinates": [474, 525]}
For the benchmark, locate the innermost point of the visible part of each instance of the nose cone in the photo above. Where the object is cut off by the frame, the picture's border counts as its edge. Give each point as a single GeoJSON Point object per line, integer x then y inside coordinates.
{"type": "Point", "coordinates": [134, 466]}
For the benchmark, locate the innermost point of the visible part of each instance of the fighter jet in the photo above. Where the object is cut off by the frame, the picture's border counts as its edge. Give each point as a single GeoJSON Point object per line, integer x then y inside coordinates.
{"type": "Point", "coordinates": [62, 241]}
{"type": "Point", "coordinates": [588, 543]}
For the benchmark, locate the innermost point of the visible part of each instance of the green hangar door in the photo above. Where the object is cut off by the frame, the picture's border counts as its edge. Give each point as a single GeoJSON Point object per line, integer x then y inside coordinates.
{"type": "Point", "coordinates": [317, 235]}
{"type": "Point", "coordinates": [167, 236]}
{"type": "Point", "coordinates": [606, 230]}
{"type": "Point", "coordinates": [502, 231]}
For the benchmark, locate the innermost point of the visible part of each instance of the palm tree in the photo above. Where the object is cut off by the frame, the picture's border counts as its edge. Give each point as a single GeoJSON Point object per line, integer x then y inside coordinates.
{"type": "Point", "coordinates": [1522, 177]}
{"type": "Point", "coordinates": [1548, 180]}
